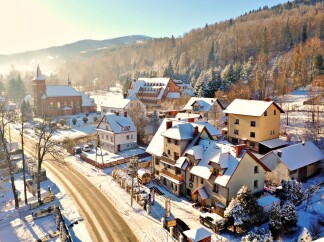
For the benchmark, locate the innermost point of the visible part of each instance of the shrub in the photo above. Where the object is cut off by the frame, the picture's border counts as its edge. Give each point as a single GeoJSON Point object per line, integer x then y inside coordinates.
{"type": "Point", "coordinates": [85, 120]}
{"type": "Point", "coordinates": [74, 121]}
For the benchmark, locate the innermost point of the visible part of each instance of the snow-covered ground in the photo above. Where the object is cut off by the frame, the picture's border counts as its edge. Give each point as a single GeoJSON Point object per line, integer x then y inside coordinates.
{"type": "Point", "coordinates": [22, 227]}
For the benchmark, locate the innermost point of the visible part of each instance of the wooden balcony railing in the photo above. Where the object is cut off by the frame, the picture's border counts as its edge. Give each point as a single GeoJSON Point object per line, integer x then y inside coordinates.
{"type": "Point", "coordinates": [179, 178]}
{"type": "Point", "coordinates": [167, 160]}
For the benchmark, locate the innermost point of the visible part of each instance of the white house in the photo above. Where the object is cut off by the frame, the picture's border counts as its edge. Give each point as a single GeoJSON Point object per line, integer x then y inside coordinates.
{"type": "Point", "coordinates": [298, 161]}
{"type": "Point", "coordinates": [209, 108]}
{"type": "Point", "coordinates": [117, 132]}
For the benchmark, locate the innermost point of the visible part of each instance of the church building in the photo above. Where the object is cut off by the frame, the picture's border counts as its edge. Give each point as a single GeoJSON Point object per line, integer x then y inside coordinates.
{"type": "Point", "coordinates": [58, 100]}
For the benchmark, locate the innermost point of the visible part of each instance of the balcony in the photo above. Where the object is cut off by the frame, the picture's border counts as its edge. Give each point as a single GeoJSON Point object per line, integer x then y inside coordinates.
{"type": "Point", "coordinates": [172, 175]}
{"type": "Point", "coordinates": [167, 160]}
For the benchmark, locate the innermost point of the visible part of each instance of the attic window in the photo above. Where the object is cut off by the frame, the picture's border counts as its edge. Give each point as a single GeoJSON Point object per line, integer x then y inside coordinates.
{"type": "Point", "coordinates": [126, 128]}
{"type": "Point", "coordinates": [274, 112]}
{"type": "Point", "coordinates": [266, 113]}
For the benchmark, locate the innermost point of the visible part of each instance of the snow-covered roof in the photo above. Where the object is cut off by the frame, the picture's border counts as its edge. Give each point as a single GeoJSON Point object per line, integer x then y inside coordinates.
{"type": "Point", "coordinates": [86, 100]}
{"type": "Point", "coordinates": [196, 151]}
{"type": "Point", "coordinates": [173, 95]}
{"type": "Point", "coordinates": [142, 171]}
{"type": "Point", "coordinates": [116, 102]}
{"type": "Point", "coordinates": [205, 104]}
{"type": "Point", "coordinates": [156, 84]}
{"type": "Point", "coordinates": [181, 163]}
{"type": "Point", "coordinates": [186, 116]}
{"type": "Point", "coordinates": [250, 107]}
{"type": "Point", "coordinates": [201, 171]}
{"type": "Point", "coordinates": [196, 235]}
{"type": "Point", "coordinates": [61, 91]}
{"type": "Point", "coordinates": [66, 108]}
{"type": "Point", "coordinates": [211, 128]}
{"type": "Point", "coordinates": [118, 123]}
{"type": "Point", "coordinates": [183, 131]}
{"type": "Point", "coordinates": [273, 143]}
{"type": "Point", "coordinates": [267, 200]}
{"type": "Point", "coordinates": [156, 145]}
{"type": "Point", "coordinates": [299, 155]}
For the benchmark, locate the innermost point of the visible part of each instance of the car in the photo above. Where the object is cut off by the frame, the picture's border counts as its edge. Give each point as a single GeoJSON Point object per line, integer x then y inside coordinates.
{"type": "Point", "coordinates": [77, 150]}
{"type": "Point", "coordinates": [86, 148]}
{"type": "Point", "coordinates": [213, 221]}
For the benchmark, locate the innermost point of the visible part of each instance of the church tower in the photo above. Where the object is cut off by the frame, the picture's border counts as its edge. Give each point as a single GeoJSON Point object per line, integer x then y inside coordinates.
{"type": "Point", "coordinates": [39, 93]}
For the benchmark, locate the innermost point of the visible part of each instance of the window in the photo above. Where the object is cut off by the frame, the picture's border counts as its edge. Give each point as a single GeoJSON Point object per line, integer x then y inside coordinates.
{"type": "Point", "coordinates": [256, 169]}
{"type": "Point", "coordinates": [58, 104]}
{"type": "Point", "coordinates": [201, 180]}
{"type": "Point", "coordinates": [236, 131]}
{"type": "Point", "coordinates": [252, 144]}
{"type": "Point", "coordinates": [176, 155]}
{"type": "Point", "coordinates": [237, 121]}
{"type": "Point", "coordinates": [266, 113]}
{"type": "Point", "coordinates": [252, 123]}
{"type": "Point", "coordinates": [157, 172]}
{"type": "Point", "coordinates": [176, 142]}
{"type": "Point", "coordinates": [252, 134]}
{"type": "Point", "coordinates": [107, 137]}
{"type": "Point", "coordinates": [192, 177]}
{"type": "Point", "coordinates": [274, 112]}
{"type": "Point", "coordinates": [255, 183]}
{"type": "Point", "coordinates": [215, 171]}
{"type": "Point", "coordinates": [131, 136]}
{"type": "Point", "coordinates": [215, 188]}
{"type": "Point", "coordinates": [177, 171]}
{"type": "Point", "coordinates": [127, 137]}
{"type": "Point", "coordinates": [169, 140]}
{"type": "Point", "coordinates": [169, 152]}
{"type": "Point", "coordinates": [157, 161]}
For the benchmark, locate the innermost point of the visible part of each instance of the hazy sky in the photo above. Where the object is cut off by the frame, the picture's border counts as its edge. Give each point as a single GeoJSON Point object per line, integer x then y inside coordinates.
{"type": "Point", "coordinates": [35, 24]}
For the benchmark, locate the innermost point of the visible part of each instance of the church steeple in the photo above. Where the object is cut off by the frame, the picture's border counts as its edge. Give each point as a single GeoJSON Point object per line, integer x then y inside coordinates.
{"type": "Point", "coordinates": [69, 81]}
{"type": "Point", "coordinates": [39, 76]}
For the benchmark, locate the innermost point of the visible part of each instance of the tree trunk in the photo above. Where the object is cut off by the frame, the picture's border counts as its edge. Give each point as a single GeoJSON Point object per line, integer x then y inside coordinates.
{"type": "Point", "coordinates": [13, 186]}
{"type": "Point", "coordinates": [24, 162]}
{"type": "Point", "coordinates": [39, 166]}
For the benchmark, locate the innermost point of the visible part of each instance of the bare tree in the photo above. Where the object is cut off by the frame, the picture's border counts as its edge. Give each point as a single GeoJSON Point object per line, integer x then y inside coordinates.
{"type": "Point", "coordinates": [46, 148]}
{"type": "Point", "coordinates": [24, 116]}
{"type": "Point", "coordinates": [7, 116]}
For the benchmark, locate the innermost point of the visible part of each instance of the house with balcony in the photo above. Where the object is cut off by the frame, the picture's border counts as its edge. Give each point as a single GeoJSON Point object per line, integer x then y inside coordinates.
{"type": "Point", "coordinates": [210, 109]}
{"type": "Point", "coordinates": [117, 132]}
{"type": "Point", "coordinates": [254, 123]}
{"type": "Point", "coordinates": [153, 91]}
{"type": "Point", "coordinates": [167, 147]}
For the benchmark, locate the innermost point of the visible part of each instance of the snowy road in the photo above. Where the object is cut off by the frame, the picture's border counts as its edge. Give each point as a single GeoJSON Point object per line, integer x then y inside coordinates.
{"type": "Point", "coordinates": [103, 219]}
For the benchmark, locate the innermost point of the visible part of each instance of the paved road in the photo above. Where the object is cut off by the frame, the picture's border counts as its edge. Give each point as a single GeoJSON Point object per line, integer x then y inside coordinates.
{"type": "Point", "coordinates": [105, 223]}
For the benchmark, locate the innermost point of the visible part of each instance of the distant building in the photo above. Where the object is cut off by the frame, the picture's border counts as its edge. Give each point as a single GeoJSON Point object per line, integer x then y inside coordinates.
{"type": "Point", "coordinates": [299, 161]}
{"type": "Point", "coordinates": [153, 91]}
{"type": "Point", "coordinates": [254, 123]}
{"type": "Point", "coordinates": [56, 100]}
{"type": "Point", "coordinates": [117, 132]}
{"type": "Point", "coordinates": [121, 105]}
{"type": "Point", "coordinates": [210, 109]}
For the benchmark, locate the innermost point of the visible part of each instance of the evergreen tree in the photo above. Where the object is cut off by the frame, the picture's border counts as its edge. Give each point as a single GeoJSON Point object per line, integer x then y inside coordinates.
{"type": "Point", "coordinates": [318, 65]}
{"type": "Point", "coordinates": [169, 71]}
{"type": "Point", "coordinates": [211, 61]}
{"type": "Point", "coordinates": [275, 224]}
{"type": "Point", "coordinates": [228, 75]}
{"type": "Point", "coordinates": [258, 235]}
{"type": "Point", "coordinates": [2, 88]}
{"type": "Point", "coordinates": [212, 85]}
{"type": "Point", "coordinates": [291, 191]}
{"type": "Point", "coordinates": [246, 71]}
{"type": "Point", "coordinates": [200, 88]}
{"type": "Point", "coordinates": [235, 215]}
{"type": "Point", "coordinates": [237, 68]}
{"type": "Point", "coordinates": [304, 33]}
{"type": "Point", "coordinates": [289, 215]}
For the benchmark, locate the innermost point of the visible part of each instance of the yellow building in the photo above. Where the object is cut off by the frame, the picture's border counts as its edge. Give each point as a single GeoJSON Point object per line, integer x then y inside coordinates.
{"type": "Point", "coordinates": [254, 123]}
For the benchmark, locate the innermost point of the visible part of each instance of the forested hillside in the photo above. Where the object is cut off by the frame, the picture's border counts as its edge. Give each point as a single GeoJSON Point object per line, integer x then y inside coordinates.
{"type": "Point", "coordinates": [260, 54]}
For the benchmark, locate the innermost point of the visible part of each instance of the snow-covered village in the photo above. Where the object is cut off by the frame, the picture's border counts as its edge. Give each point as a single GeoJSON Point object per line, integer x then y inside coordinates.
{"type": "Point", "coordinates": [216, 134]}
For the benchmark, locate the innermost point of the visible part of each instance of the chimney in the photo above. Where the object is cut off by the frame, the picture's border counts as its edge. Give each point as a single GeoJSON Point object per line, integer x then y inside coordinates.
{"type": "Point", "coordinates": [267, 99]}
{"type": "Point", "coordinates": [191, 120]}
{"type": "Point", "coordinates": [134, 80]}
{"type": "Point", "coordinates": [238, 149]}
{"type": "Point", "coordinates": [195, 130]}
{"type": "Point", "coordinates": [168, 124]}
{"type": "Point", "coordinates": [303, 143]}
{"type": "Point", "coordinates": [279, 153]}
{"type": "Point", "coordinates": [125, 114]}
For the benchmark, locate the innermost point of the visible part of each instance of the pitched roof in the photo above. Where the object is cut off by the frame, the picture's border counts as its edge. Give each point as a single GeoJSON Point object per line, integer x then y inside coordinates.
{"type": "Point", "coordinates": [299, 155]}
{"type": "Point", "coordinates": [86, 100]}
{"type": "Point", "coordinates": [211, 128]}
{"type": "Point", "coordinates": [196, 235]}
{"type": "Point", "coordinates": [61, 91]}
{"type": "Point", "coordinates": [204, 103]}
{"type": "Point", "coordinates": [116, 102]}
{"type": "Point", "coordinates": [157, 84]}
{"type": "Point", "coordinates": [117, 123]}
{"type": "Point", "coordinates": [250, 107]}
{"type": "Point", "coordinates": [184, 131]}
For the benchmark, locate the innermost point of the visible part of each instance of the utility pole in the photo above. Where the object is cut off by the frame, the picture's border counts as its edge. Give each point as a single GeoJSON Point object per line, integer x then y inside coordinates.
{"type": "Point", "coordinates": [134, 162]}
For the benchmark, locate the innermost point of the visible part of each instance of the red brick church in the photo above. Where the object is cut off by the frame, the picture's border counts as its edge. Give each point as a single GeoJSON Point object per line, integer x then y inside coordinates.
{"type": "Point", "coordinates": [58, 100]}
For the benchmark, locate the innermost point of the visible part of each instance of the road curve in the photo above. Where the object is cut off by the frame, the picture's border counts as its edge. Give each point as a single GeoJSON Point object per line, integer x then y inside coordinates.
{"type": "Point", "coordinates": [104, 221]}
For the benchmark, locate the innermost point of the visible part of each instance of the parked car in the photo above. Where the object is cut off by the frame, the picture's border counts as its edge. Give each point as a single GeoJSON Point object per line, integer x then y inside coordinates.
{"type": "Point", "coordinates": [86, 148]}
{"type": "Point", "coordinates": [213, 221]}
{"type": "Point", "coordinates": [77, 150]}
